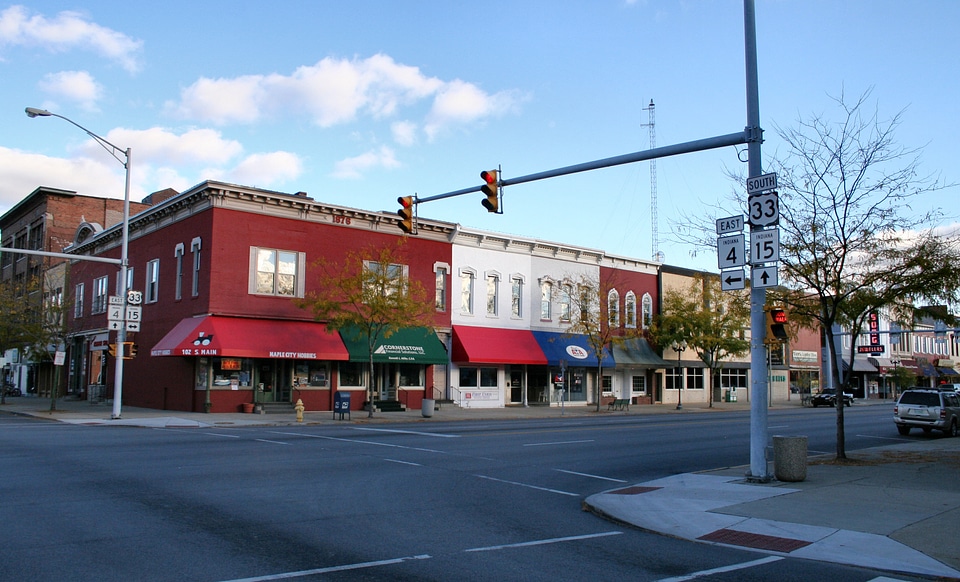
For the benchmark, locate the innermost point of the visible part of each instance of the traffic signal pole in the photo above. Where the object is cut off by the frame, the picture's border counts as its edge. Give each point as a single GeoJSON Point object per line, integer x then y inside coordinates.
{"type": "Point", "coordinates": [759, 397]}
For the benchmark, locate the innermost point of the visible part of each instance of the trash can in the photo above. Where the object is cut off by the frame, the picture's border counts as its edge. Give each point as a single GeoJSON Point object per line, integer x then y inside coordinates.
{"type": "Point", "coordinates": [341, 404]}
{"type": "Point", "coordinates": [427, 407]}
{"type": "Point", "coordinates": [790, 458]}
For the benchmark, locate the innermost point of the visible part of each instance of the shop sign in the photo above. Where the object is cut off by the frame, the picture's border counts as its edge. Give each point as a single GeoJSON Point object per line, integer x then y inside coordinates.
{"type": "Point", "coordinates": [577, 352]}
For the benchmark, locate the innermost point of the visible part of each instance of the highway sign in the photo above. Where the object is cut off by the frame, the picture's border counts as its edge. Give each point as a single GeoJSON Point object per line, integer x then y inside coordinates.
{"type": "Point", "coordinates": [731, 252]}
{"type": "Point", "coordinates": [133, 312]}
{"type": "Point", "coordinates": [764, 246]}
{"type": "Point", "coordinates": [134, 297]}
{"type": "Point", "coordinates": [763, 277]}
{"type": "Point", "coordinates": [730, 224]}
{"type": "Point", "coordinates": [762, 183]}
{"type": "Point", "coordinates": [764, 209]}
{"type": "Point", "coordinates": [133, 325]}
{"type": "Point", "coordinates": [732, 280]}
{"type": "Point", "coordinates": [115, 300]}
{"type": "Point", "coordinates": [114, 324]}
{"type": "Point", "coordinates": [115, 312]}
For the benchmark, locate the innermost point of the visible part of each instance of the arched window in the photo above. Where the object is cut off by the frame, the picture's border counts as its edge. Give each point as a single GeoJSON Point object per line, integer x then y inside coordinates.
{"type": "Point", "coordinates": [630, 310]}
{"type": "Point", "coordinates": [613, 308]}
{"type": "Point", "coordinates": [647, 307]}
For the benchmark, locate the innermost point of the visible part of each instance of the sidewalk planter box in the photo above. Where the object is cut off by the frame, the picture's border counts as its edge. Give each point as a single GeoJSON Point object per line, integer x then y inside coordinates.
{"type": "Point", "coordinates": [790, 458]}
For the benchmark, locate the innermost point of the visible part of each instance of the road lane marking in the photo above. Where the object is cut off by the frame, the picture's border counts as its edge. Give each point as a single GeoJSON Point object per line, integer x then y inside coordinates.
{"type": "Point", "coordinates": [359, 442]}
{"type": "Point", "coordinates": [403, 462]}
{"type": "Point", "coordinates": [545, 542]}
{"type": "Point", "coordinates": [226, 436]}
{"type": "Point", "coordinates": [558, 443]}
{"type": "Point", "coordinates": [328, 570]}
{"type": "Point", "coordinates": [270, 441]}
{"type": "Point", "coordinates": [547, 489]}
{"type": "Point", "coordinates": [415, 432]}
{"type": "Point", "coordinates": [591, 476]}
{"type": "Point", "coordinates": [721, 570]}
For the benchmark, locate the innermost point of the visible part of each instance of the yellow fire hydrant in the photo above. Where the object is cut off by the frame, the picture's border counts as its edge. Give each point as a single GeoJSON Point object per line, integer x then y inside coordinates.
{"type": "Point", "coordinates": [299, 409]}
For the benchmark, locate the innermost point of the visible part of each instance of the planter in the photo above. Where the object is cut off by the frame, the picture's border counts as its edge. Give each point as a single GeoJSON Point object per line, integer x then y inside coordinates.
{"type": "Point", "coordinates": [248, 407]}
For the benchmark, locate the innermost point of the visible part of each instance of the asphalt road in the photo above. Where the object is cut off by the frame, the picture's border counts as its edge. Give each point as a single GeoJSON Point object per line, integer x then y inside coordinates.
{"type": "Point", "coordinates": [473, 500]}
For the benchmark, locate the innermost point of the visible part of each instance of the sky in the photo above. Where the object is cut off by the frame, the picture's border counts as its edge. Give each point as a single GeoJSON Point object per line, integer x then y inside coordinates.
{"type": "Point", "coordinates": [359, 102]}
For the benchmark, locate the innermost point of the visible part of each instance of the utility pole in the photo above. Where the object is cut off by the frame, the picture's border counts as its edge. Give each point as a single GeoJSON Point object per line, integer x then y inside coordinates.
{"type": "Point", "coordinates": [656, 255]}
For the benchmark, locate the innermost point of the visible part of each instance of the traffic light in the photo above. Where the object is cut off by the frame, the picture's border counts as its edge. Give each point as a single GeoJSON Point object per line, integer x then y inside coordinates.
{"type": "Point", "coordinates": [112, 350]}
{"type": "Point", "coordinates": [133, 350]}
{"type": "Point", "coordinates": [406, 213]}
{"type": "Point", "coordinates": [492, 189]}
{"type": "Point", "coordinates": [776, 325]}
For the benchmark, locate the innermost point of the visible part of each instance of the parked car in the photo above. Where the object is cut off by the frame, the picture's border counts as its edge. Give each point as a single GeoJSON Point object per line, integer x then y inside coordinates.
{"type": "Point", "coordinates": [828, 397]}
{"type": "Point", "coordinates": [927, 409]}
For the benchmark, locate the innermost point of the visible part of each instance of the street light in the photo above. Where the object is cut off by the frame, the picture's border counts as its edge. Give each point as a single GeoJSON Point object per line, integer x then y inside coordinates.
{"type": "Point", "coordinates": [896, 384]}
{"type": "Point", "coordinates": [679, 347]}
{"type": "Point", "coordinates": [124, 257]}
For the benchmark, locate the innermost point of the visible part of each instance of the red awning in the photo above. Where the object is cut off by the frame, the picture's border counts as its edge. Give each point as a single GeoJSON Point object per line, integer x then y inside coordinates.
{"type": "Point", "coordinates": [496, 346]}
{"type": "Point", "coordinates": [243, 337]}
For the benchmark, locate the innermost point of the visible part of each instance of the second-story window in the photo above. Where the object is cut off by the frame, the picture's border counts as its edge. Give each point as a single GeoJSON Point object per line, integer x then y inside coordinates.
{"type": "Point", "coordinates": [195, 249]}
{"type": "Point", "coordinates": [566, 312]}
{"type": "Point", "coordinates": [516, 297]}
{"type": "Point", "coordinates": [178, 255]}
{"type": "Point", "coordinates": [440, 292]}
{"type": "Point", "coordinates": [630, 310]}
{"type": "Point", "coordinates": [151, 290]}
{"type": "Point", "coordinates": [276, 272]}
{"type": "Point", "coordinates": [546, 298]}
{"type": "Point", "coordinates": [78, 300]}
{"type": "Point", "coordinates": [613, 308]}
{"type": "Point", "coordinates": [466, 292]}
{"type": "Point", "coordinates": [493, 290]}
{"type": "Point", "coordinates": [647, 307]}
{"type": "Point", "coordinates": [100, 290]}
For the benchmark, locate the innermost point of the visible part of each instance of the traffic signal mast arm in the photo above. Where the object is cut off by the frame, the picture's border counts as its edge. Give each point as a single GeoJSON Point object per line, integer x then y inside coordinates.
{"type": "Point", "coordinates": [732, 139]}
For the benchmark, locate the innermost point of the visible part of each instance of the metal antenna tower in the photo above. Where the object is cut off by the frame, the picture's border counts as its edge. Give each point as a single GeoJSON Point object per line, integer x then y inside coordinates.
{"type": "Point", "coordinates": [654, 219]}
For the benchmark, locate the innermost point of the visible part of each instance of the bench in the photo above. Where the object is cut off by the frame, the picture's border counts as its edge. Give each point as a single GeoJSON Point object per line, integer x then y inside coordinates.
{"type": "Point", "coordinates": [619, 404]}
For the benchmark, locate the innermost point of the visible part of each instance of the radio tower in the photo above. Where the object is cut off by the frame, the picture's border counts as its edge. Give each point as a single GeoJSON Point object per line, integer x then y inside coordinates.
{"type": "Point", "coordinates": [654, 220]}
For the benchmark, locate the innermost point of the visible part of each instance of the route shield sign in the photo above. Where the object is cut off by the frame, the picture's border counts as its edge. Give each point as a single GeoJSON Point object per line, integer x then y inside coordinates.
{"type": "Point", "coordinates": [731, 251]}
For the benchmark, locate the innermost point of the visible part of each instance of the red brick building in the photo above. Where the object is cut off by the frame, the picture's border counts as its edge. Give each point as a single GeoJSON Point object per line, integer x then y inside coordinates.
{"type": "Point", "coordinates": [219, 268]}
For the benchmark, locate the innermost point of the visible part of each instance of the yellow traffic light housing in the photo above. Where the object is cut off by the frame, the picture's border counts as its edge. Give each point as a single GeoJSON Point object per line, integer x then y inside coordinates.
{"type": "Point", "coordinates": [406, 214]}
{"type": "Point", "coordinates": [776, 325]}
{"type": "Point", "coordinates": [491, 188]}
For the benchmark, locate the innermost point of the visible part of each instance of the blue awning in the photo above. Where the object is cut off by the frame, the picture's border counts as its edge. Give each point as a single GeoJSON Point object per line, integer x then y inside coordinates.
{"type": "Point", "coordinates": [927, 369]}
{"type": "Point", "coordinates": [574, 349]}
{"type": "Point", "coordinates": [947, 372]}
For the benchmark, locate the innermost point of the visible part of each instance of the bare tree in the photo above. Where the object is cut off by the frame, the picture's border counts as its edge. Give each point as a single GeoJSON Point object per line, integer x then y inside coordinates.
{"type": "Point", "coordinates": [369, 294]}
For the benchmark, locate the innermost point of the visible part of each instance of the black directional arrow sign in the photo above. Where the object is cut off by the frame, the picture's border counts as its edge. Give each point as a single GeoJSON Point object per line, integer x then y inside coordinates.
{"type": "Point", "coordinates": [732, 280]}
{"type": "Point", "coordinates": [763, 277]}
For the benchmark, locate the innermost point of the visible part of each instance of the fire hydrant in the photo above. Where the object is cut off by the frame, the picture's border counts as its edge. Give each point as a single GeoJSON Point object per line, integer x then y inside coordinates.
{"type": "Point", "coordinates": [299, 409]}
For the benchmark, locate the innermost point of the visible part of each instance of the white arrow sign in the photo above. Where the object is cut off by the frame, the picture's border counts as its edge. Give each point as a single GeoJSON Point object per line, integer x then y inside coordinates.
{"type": "Point", "coordinates": [763, 277]}
{"type": "Point", "coordinates": [732, 280]}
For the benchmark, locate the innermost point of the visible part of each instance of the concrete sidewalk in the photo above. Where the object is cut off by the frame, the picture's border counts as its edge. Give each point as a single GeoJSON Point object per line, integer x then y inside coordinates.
{"type": "Point", "coordinates": [894, 508]}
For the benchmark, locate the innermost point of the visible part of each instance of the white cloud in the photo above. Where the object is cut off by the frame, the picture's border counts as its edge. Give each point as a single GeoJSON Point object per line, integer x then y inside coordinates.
{"type": "Point", "coordinates": [336, 91]}
{"type": "Point", "coordinates": [460, 102]}
{"type": "Point", "coordinates": [77, 86]}
{"type": "Point", "coordinates": [266, 169]}
{"type": "Point", "coordinates": [162, 146]}
{"type": "Point", "coordinates": [354, 167]}
{"type": "Point", "coordinates": [404, 132]}
{"type": "Point", "coordinates": [67, 31]}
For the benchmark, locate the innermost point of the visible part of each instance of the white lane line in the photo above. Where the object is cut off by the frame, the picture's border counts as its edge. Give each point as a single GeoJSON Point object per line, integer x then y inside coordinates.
{"type": "Point", "coordinates": [529, 486]}
{"type": "Point", "coordinates": [359, 442]}
{"type": "Point", "coordinates": [419, 433]}
{"type": "Point", "coordinates": [557, 443]}
{"type": "Point", "coordinates": [545, 542]}
{"type": "Point", "coordinates": [343, 568]}
{"type": "Point", "coordinates": [226, 436]}
{"type": "Point", "coordinates": [272, 442]}
{"type": "Point", "coordinates": [731, 568]}
{"type": "Point", "coordinates": [591, 476]}
{"type": "Point", "coordinates": [779, 426]}
{"type": "Point", "coordinates": [883, 438]}
{"type": "Point", "coordinates": [403, 462]}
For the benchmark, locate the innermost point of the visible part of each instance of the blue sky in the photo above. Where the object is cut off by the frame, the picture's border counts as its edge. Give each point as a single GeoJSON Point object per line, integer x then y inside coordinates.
{"type": "Point", "coordinates": [359, 102]}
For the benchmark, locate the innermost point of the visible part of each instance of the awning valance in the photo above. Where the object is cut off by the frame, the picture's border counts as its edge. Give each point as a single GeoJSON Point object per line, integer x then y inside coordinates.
{"type": "Point", "coordinates": [408, 345]}
{"type": "Point", "coordinates": [947, 371]}
{"type": "Point", "coordinates": [637, 352]}
{"type": "Point", "coordinates": [861, 366]}
{"type": "Point", "coordinates": [243, 337]}
{"type": "Point", "coordinates": [487, 345]}
{"type": "Point", "coordinates": [574, 349]}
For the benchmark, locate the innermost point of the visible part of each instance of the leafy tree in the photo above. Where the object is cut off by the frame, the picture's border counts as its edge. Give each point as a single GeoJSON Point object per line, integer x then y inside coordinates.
{"type": "Point", "coordinates": [590, 316]}
{"type": "Point", "coordinates": [849, 242]}
{"type": "Point", "coordinates": [709, 320]}
{"type": "Point", "coordinates": [371, 295]}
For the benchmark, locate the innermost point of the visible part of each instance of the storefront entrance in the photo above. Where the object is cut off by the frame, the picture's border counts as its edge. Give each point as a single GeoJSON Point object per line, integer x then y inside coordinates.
{"type": "Point", "coordinates": [274, 380]}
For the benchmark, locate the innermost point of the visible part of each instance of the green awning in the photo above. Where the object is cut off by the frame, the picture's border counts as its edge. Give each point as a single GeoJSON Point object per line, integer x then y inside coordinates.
{"type": "Point", "coordinates": [409, 345]}
{"type": "Point", "coordinates": [637, 352]}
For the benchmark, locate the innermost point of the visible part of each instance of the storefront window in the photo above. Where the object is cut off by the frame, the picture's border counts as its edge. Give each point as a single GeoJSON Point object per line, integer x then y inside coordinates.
{"type": "Point", "coordinates": [351, 374]}
{"type": "Point", "coordinates": [468, 377]}
{"type": "Point", "coordinates": [410, 375]}
{"type": "Point", "coordinates": [313, 374]}
{"type": "Point", "coordinates": [232, 373]}
{"type": "Point", "coordinates": [695, 378]}
{"type": "Point", "coordinates": [203, 372]}
{"type": "Point", "coordinates": [488, 377]}
{"type": "Point", "coordinates": [639, 385]}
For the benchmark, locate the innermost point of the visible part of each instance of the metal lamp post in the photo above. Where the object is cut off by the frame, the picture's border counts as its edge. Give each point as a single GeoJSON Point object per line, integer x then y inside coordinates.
{"type": "Point", "coordinates": [679, 347]}
{"type": "Point", "coordinates": [895, 362]}
{"type": "Point", "coordinates": [124, 258]}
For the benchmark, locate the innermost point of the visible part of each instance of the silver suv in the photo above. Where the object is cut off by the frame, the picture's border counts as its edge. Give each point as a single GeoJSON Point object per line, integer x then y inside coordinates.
{"type": "Point", "coordinates": [927, 409]}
